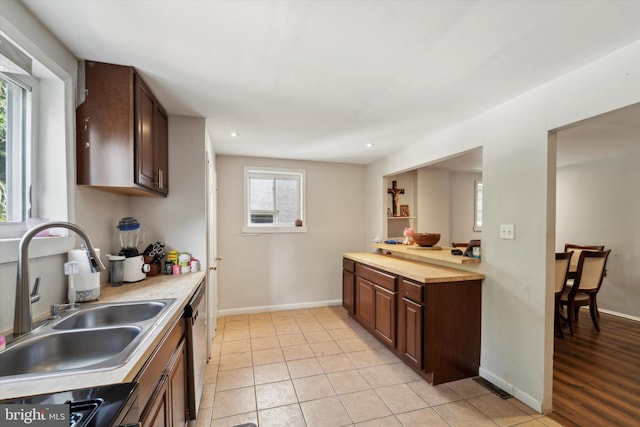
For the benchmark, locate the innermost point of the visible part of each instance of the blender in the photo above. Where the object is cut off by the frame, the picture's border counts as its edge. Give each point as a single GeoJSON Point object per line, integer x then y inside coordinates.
{"type": "Point", "coordinates": [134, 269]}
{"type": "Point", "coordinates": [129, 233]}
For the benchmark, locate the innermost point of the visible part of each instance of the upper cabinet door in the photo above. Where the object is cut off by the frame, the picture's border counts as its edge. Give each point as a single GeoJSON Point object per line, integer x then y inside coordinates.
{"type": "Point", "coordinates": [161, 151]}
{"type": "Point", "coordinates": [122, 132]}
{"type": "Point", "coordinates": [144, 147]}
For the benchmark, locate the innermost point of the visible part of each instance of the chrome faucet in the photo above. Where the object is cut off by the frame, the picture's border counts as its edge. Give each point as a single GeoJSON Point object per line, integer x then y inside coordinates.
{"type": "Point", "coordinates": [22, 320]}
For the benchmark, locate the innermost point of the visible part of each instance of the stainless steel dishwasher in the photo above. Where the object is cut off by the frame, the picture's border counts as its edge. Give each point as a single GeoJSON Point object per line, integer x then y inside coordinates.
{"type": "Point", "coordinates": [196, 315]}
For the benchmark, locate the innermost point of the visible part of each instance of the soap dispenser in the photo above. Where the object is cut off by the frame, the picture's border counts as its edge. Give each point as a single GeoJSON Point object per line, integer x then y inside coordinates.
{"type": "Point", "coordinates": [70, 269]}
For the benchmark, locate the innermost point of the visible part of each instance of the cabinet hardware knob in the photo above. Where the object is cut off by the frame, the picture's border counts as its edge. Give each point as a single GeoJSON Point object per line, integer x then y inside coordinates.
{"type": "Point", "coordinates": [213, 268]}
{"type": "Point", "coordinates": [87, 145]}
{"type": "Point", "coordinates": [218, 258]}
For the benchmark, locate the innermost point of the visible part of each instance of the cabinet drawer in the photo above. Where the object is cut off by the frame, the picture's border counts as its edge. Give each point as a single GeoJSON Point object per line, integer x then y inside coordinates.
{"type": "Point", "coordinates": [380, 278]}
{"type": "Point", "coordinates": [348, 265]}
{"type": "Point", "coordinates": [411, 291]}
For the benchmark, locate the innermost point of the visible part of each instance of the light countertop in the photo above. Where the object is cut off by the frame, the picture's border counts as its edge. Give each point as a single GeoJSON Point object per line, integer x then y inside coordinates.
{"type": "Point", "coordinates": [180, 287]}
{"type": "Point", "coordinates": [436, 253]}
{"type": "Point", "coordinates": [419, 271]}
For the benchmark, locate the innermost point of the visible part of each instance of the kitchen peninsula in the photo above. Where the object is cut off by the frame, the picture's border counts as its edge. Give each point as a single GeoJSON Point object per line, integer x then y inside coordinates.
{"type": "Point", "coordinates": [428, 314]}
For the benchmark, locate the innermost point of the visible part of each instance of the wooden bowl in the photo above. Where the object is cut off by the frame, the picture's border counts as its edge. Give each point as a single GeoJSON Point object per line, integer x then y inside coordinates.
{"type": "Point", "coordinates": [426, 239]}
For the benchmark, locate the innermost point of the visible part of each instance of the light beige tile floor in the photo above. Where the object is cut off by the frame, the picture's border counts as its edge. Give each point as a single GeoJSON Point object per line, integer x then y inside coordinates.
{"type": "Point", "coordinates": [318, 367]}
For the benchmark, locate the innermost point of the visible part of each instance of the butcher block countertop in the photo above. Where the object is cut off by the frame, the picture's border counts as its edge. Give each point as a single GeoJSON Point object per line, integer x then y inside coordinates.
{"type": "Point", "coordinates": [419, 271]}
{"type": "Point", "coordinates": [436, 253]}
{"type": "Point", "coordinates": [179, 287]}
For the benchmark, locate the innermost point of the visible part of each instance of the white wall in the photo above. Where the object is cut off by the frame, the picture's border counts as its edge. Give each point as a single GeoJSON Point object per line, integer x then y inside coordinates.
{"type": "Point", "coordinates": [599, 203]}
{"type": "Point", "coordinates": [517, 324]}
{"type": "Point", "coordinates": [463, 206]}
{"type": "Point", "coordinates": [179, 220]}
{"type": "Point", "coordinates": [98, 212]}
{"type": "Point", "coordinates": [433, 194]}
{"type": "Point", "coordinates": [272, 271]}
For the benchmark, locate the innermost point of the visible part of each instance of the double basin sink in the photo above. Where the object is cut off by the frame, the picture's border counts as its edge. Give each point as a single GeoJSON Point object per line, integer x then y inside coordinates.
{"type": "Point", "coordinates": [90, 338]}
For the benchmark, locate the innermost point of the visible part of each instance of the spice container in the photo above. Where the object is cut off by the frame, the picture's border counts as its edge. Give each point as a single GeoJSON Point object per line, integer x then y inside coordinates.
{"type": "Point", "coordinates": [168, 267]}
{"type": "Point", "coordinates": [184, 259]}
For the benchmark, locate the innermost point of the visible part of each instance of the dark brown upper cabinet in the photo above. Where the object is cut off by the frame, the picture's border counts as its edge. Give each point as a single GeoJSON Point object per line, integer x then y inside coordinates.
{"type": "Point", "coordinates": [122, 132]}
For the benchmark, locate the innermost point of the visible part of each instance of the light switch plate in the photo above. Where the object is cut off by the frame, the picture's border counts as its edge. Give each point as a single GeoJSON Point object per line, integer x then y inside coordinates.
{"type": "Point", "coordinates": [507, 231]}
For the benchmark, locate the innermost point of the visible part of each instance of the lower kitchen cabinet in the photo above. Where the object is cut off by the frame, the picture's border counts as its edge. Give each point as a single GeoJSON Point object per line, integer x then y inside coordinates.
{"type": "Point", "coordinates": [375, 306]}
{"type": "Point", "coordinates": [364, 306]}
{"type": "Point", "coordinates": [433, 326]}
{"type": "Point", "coordinates": [163, 382]}
{"type": "Point", "coordinates": [410, 321]}
{"type": "Point", "coordinates": [385, 316]}
{"type": "Point", "coordinates": [157, 412]}
{"type": "Point", "coordinates": [410, 331]}
{"type": "Point", "coordinates": [348, 285]}
{"type": "Point", "coordinates": [178, 387]}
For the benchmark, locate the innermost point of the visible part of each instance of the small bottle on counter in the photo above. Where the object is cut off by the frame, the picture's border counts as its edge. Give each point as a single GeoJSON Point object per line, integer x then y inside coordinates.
{"type": "Point", "coordinates": [168, 267]}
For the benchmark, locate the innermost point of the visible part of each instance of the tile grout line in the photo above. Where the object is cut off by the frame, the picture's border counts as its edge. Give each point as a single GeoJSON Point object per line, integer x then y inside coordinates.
{"type": "Point", "coordinates": [331, 321]}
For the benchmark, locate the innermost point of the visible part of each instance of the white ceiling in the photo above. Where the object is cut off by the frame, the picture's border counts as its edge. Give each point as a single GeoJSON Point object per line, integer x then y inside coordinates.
{"type": "Point", "coordinates": [318, 80]}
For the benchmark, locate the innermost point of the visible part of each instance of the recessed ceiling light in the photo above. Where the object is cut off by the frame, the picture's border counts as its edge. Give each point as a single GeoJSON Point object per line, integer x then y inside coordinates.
{"type": "Point", "coordinates": [234, 134]}
{"type": "Point", "coordinates": [370, 145]}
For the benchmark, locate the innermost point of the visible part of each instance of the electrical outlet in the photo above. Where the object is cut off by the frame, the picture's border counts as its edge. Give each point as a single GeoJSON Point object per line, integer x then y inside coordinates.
{"type": "Point", "coordinates": [507, 231]}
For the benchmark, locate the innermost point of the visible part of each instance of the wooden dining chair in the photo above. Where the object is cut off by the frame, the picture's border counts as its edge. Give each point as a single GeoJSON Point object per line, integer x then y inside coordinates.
{"type": "Point", "coordinates": [577, 249]}
{"type": "Point", "coordinates": [562, 269]}
{"type": "Point", "coordinates": [586, 284]}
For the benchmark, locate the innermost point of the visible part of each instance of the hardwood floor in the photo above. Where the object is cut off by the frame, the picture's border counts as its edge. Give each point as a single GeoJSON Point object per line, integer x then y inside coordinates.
{"type": "Point", "coordinates": [596, 376]}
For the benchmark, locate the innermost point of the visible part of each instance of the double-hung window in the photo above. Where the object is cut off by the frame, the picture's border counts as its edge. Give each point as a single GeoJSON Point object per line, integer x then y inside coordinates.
{"type": "Point", "coordinates": [274, 200]}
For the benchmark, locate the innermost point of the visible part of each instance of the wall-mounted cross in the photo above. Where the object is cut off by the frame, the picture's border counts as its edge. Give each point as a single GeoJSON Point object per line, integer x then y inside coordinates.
{"type": "Point", "coordinates": [396, 196]}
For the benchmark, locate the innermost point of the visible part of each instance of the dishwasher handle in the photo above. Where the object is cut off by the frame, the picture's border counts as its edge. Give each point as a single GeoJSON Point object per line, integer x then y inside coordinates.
{"type": "Point", "coordinates": [191, 309]}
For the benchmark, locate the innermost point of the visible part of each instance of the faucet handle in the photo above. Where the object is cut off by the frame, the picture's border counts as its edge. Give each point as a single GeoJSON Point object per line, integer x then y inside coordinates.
{"type": "Point", "coordinates": [35, 296]}
{"type": "Point", "coordinates": [56, 309]}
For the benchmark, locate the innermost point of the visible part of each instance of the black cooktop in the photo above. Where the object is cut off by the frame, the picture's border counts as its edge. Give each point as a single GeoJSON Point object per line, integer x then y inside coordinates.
{"type": "Point", "coordinates": [99, 406]}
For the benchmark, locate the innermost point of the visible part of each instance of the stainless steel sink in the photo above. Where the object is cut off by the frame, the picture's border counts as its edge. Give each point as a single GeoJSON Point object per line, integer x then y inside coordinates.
{"type": "Point", "coordinates": [94, 337]}
{"type": "Point", "coordinates": [111, 315]}
{"type": "Point", "coordinates": [65, 350]}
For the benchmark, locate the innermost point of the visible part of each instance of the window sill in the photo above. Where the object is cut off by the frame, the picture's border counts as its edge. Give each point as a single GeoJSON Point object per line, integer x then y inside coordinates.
{"type": "Point", "coordinates": [274, 230]}
{"type": "Point", "coordinates": [39, 247]}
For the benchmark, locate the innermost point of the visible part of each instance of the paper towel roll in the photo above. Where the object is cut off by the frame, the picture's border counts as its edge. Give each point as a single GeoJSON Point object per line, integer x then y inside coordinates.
{"type": "Point", "coordinates": [86, 283]}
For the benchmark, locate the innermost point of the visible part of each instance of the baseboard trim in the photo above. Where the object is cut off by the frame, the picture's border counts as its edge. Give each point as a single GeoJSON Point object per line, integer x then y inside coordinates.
{"type": "Point", "coordinates": [615, 313]}
{"type": "Point", "coordinates": [262, 309]}
{"type": "Point", "coordinates": [515, 392]}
